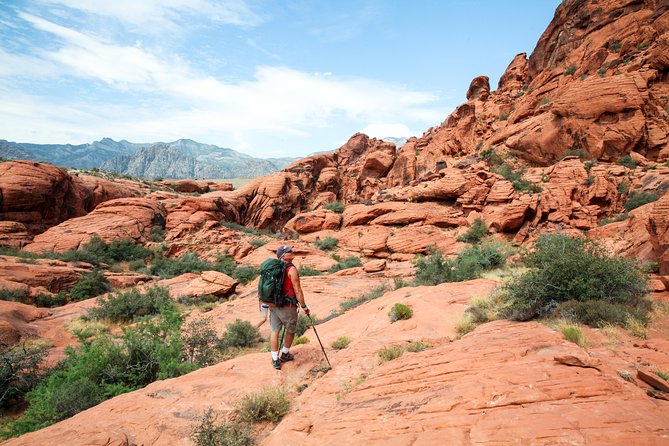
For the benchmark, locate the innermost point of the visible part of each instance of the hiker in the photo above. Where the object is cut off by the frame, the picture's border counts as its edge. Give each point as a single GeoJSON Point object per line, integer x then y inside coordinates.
{"type": "Point", "coordinates": [286, 315]}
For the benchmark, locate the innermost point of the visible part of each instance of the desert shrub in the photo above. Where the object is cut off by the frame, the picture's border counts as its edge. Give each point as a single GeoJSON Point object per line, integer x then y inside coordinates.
{"type": "Point", "coordinates": [47, 301]}
{"type": "Point", "coordinates": [258, 242]}
{"type": "Point", "coordinates": [200, 342]}
{"type": "Point", "coordinates": [623, 187]}
{"type": "Point", "coordinates": [167, 267]}
{"type": "Point", "coordinates": [158, 234]}
{"type": "Point", "coordinates": [465, 325]}
{"type": "Point", "coordinates": [300, 340]}
{"type": "Point", "coordinates": [237, 227]}
{"type": "Point", "coordinates": [138, 265]}
{"type": "Point", "coordinates": [348, 262]}
{"type": "Point", "coordinates": [564, 268]}
{"type": "Point", "coordinates": [335, 206]}
{"type": "Point", "coordinates": [327, 244]}
{"type": "Point", "coordinates": [267, 404]}
{"type": "Point", "coordinates": [435, 269]}
{"type": "Point", "coordinates": [598, 313]}
{"type": "Point", "coordinates": [341, 343]}
{"type": "Point", "coordinates": [91, 285]}
{"type": "Point", "coordinates": [613, 219]}
{"type": "Point", "coordinates": [303, 323]}
{"type": "Point", "coordinates": [106, 367]}
{"type": "Point", "coordinates": [570, 70]}
{"type": "Point", "coordinates": [627, 161]}
{"type": "Point", "coordinates": [491, 157]}
{"type": "Point", "coordinates": [417, 346]}
{"type": "Point", "coordinates": [374, 293]}
{"type": "Point", "coordinates": [245, 274]}
{"type": "Point", "coordinates": [573, 333]}
{"type": "Point", "coordinates": [15, 296]}
{"type": "Point", "coordinates": [400, 312]}
{"type": "Point", "coordinates": [516, 177]}
{"type": "Point", "coordinates": [239, 334]}
{"type": "Point", "coordinates": [209, 432]}
{"type": "Point", "coordinates": [475, 233]}
{"type": "Point", "coordinates": [21, 369]}
{"type": "Point", "coordinates": [614, 46]}
{"type": "Point", "coordinates": [97, 251]}
{"type": "Point", "coordinates": [637, 200]}
{"type": "Point", "coordinates": [503, 116]}
{"type": "Point", "coordinates": [306, 271]}
{"type": "Point", "coordinates": [389, 352]}
{"type": "Point", "coordinates": [126, 306]}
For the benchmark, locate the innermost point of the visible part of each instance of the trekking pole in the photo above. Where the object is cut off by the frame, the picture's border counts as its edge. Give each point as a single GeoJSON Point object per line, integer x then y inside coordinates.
{"type": "Point", "coordinates": [319, 340]}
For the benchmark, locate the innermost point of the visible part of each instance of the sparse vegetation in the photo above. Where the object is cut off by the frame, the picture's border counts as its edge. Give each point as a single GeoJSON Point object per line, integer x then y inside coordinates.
{"type": "Point", "coordinates": [573, 333]}
{"type": "Point", "coordinates": [327, 244]}
{"type": "Point", "coordinates": [258, 242]}
{"type": "Point", "coordinates": [209, 432]}
{"type": "Point", "coordinates": [335, 206]}
{"type": "Point", "coordinates": [400, 312]}
{"type": "Point", "coordinates": [389, 352]}
{"type": "Point", "coordinates": [570, 70]}
{"type": "Point", "coordinates": [267, 404]}
{"type": "Point", "coordinates": [21, 370]}
{"type": "Point", "coordinates": [516, 177]}
{"type": "Point", "coordinates": [627, 161]}
{"type": "Point", "coordinates": [348, 262]}
{"type": "Point", "coordinates": [617, 218]}
{"type": "Point", "coordinates": [126, 306]}
{"type": "Point", "coordinates": [375, 293]}
{"type": "Point", "coordinates": [638, 200]}
{"type": "Point", "coordinates": [341, 343]}
{"type": "Point", "coordinates": [491, 157]}
{"type": "Point", "coordinates": [543, 101]}
{"type": "Point", "coordinates": [418, 346]}
{"type": "Point", "coordinates": [475, 233]}
{"type": "Point", "coordinates": [602, 71]}
{"type": "Point", "coordinates": [614, 46]}
{"type": "Point", "coordinates": [563, 269]}
{"type": "Point", "coordinates": [503, 116]}
{"type": "Point", "coordinates": [435, 269]}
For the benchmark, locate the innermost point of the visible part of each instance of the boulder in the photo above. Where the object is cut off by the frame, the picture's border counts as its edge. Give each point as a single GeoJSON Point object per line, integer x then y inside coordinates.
{"type": "Point", "coordinates": [194, 285]}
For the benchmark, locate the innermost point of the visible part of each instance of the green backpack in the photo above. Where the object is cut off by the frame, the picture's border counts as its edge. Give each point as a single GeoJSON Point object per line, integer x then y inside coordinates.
{"type": "Point", "coordinates": [270, 286]}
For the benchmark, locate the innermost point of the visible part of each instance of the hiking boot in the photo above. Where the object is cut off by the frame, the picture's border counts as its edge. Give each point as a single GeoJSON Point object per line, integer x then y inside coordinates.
{"type": "Point", "coordinates": [276, 364]}
{"type": "Point", "coordinates": [285, 357]}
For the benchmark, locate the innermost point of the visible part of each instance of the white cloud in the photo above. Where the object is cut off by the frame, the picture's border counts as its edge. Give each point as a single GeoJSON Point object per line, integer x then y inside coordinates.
{"type": "Point", "coordinates": [278, 105]}
{"type": "Point", "coordinates": [156, 15]}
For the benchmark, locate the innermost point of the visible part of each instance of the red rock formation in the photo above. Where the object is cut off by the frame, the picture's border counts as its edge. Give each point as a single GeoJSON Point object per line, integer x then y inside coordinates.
{"type": "Point", "coordinates": [40, 195]}
{"type": "Point", "coordinates": [127, 218]}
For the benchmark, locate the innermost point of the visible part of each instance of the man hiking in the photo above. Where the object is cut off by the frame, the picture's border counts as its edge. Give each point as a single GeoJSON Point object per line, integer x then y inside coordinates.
{"type": "Point", "coordinates": [286, 315]}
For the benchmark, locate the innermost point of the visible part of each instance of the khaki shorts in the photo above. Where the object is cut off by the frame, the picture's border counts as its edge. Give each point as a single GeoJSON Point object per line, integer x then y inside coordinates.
{"type": "Point", "coordinates": [283, 317]}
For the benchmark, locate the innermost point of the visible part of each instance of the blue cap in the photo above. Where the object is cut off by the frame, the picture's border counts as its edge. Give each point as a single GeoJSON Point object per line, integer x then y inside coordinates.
{"type": "Point", "coordinates": [282, 250]}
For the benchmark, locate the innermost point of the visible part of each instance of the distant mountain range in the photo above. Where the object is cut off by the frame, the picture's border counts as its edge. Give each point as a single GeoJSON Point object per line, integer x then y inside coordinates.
{"type": "Point", "coordinates": [183, 158]}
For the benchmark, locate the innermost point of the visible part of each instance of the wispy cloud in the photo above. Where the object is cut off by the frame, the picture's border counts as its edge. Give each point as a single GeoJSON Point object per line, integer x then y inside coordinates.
{"type": "Point", "coordinates": [180, 101]}
{"type": "Point", "coordinates": [156, 15]}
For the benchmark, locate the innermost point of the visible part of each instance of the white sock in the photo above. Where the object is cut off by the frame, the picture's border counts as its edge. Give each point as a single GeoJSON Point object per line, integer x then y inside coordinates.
{"type": "Point", "coordinates": [285, 350]}
{"type": "Point", "coordinates": [275, 356]}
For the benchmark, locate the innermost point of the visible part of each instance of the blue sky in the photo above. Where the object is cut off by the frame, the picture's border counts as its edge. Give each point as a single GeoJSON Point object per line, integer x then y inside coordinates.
{"type": "Point", "coordinates": [267, 78]}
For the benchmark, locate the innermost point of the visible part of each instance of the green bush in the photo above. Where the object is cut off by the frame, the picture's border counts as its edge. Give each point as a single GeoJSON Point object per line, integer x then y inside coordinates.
{"type": "Point", "coordinates": [341, 343]}
{"type": "Point", "coordinates": [15, 296]}
{"type": "Point", "coordinates": [237, 227]}
{"type": "Point", "coordinates": [627, 161]}
{"type": "Point", "coordinates": [327, 244]}
{"type": "Point", "coordinates": [91, 285]}
{"type": "Point", "coordinates": [200, 342]}
{"type": "Point", "coordinates": [435, 269]}
{"type": "Point", "coordinates": [226, 433]}
{"type": "Point", "coordinates": [614, 46]}
{"type": "Point", "coordinates": [390, 352]}
{"type": "Point", "coordinates": [303, 324]}
{"type": "Point", "coordinates": [516, 177]}
{"type": "Point", "coordinates": [106, 367]}
{"type": "Point", "coordinates": [475, 233]}
{"type": "Point", "coordinates": [563, 268]}
{"type": "Point", "coordinates": [637, 200]}
{"type": "Point", "coordinates": [97, 251]}
{"type": "Point", "coordinates": [239, 334]}
{"type": "Point", "coordinates": [335, 206]}
{"type": "Point", "coordinates": [158, 234]}
{"type": "Point", "coordinates": [348, 262]}
{"type": "Point", "coordinates": [400, 312]}
{"type": "Point", "coordinates": [258, 242]}
{"type": "Point", "coordinates": [21, 369]}
{"type": "Point", "coordinates": [375, 293]}
{"type": "Point", "coordinates": [574, 334]}
{"type": "Point", "coordinates": [417, 346]}
{"type": "Point", "coordinates": [491, 157]}
{"type": "Point", "coordinates": [267, 404]}
{"type": "Point", "coordinates": [306, 271]}
{"type": "Point", "coordinates": [167, 267]}
{"type": "Point", "coordinates": [128, 305]}
{"type": "Point", "coordinates": [598, 313]}
{"type": "Point", "coordinates": [570, 70]}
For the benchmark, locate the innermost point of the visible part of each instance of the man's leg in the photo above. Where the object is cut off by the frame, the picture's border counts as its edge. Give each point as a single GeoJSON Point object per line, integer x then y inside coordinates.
{"type": "Point", "coordinates": [275, 327]}
{"type": "Point", "coordinates": [291, 324]}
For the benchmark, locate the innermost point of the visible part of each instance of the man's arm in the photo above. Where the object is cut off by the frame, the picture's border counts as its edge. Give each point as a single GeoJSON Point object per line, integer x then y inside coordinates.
{"type": "Point", "coordinates": [295, 280]}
